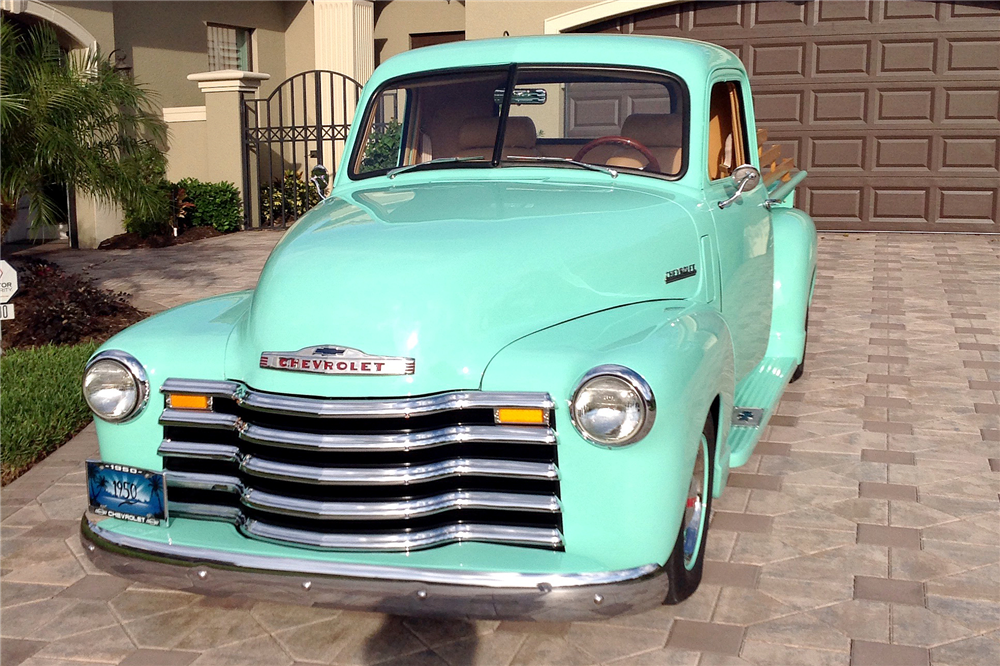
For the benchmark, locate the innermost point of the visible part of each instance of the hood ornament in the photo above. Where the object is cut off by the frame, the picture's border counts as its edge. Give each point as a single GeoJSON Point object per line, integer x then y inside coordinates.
{"type": "Point", "coordinates": [331, 360]}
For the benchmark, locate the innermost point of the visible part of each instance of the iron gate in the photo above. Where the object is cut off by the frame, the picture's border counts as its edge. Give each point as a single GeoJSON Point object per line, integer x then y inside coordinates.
{"type": "Point", "coordinates": [304, 122]}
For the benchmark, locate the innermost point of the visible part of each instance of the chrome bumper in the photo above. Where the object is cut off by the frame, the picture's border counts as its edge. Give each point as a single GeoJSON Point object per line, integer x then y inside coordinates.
{"type": "Point", "coordinates": [398, 591]}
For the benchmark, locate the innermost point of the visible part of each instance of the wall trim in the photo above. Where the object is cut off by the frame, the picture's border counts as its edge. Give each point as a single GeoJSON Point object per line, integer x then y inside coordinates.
{"type": "Point", "coordinates": [48, 13]}
{"type": "Point", "coordinates": [600, 11]}
{"type": "Point", "coordinates": [184, 114]}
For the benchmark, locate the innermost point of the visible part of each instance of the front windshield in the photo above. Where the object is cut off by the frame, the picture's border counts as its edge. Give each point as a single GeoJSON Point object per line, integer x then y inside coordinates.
{"type": "Point", "coordinates": [618, 119]}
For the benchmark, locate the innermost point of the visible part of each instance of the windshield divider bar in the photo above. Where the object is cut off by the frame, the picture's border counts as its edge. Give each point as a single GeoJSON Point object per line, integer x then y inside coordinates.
{"type": "Point", "coordinates": [504, 113]}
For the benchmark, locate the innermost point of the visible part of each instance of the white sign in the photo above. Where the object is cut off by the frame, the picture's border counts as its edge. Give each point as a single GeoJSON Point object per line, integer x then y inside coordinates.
{"type": "Point", "coordinates": [6, 311]}
{"type": "Point", "coordinates": [8, 283]}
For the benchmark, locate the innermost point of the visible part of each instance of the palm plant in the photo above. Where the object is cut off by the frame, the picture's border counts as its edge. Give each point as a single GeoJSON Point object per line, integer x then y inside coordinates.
{"type": "Point", "coordinates": [73, 120]}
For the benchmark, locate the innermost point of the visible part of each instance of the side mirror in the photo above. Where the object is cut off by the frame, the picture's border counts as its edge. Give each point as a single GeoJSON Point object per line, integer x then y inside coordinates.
{"type": "Point", "coordinates": [321, 179]}
{"type": "Point", "coordinates": [746, 178]}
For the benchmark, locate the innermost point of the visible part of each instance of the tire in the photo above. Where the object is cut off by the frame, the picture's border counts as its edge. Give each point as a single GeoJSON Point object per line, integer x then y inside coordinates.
{"type": "Point", "coordinates": [685, 567]}
{"type": "Point", "coordinates": [805, 345]}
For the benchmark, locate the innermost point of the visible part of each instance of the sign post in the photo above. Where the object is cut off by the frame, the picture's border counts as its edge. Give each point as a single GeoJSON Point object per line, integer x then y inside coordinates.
{"type": "Point", "coordinates": [8, 287]}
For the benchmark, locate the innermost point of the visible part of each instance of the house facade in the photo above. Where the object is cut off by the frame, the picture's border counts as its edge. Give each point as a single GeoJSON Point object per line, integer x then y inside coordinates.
{"type": "Point", "coordinates": [893, 106]}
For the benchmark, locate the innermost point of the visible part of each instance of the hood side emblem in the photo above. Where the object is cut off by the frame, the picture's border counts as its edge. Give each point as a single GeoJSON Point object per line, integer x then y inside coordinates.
{"type": "Point", "coordinates": [344, 361]}
{"type": "Point", "coordinates": [680, 273]}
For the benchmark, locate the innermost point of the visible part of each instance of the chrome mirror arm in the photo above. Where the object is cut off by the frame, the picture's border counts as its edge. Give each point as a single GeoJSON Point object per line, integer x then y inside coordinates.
{"type": "Point", "coordinates": [748, 178]}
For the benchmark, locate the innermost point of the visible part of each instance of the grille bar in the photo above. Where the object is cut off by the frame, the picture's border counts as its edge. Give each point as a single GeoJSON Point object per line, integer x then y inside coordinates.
{"type": "Point", "coordinates": [354, 409]}
{"type": "Point", "coordinates": [359, 442]}
{"type": "Point", "coordinates": [349, 476]}
{"type": "Point", "coordinates": [538, 537]}
{"type": "Point", "coordinates": [293, 506]}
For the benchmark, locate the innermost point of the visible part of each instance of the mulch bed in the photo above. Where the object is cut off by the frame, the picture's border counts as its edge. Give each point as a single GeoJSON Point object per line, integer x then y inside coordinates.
{"type": "Point", "coordinates": [54, 307]}
{"type": "Point", "coordinates": [131, 241]}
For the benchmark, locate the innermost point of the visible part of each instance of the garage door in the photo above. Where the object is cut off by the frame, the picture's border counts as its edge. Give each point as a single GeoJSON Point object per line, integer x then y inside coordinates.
{"type": "Point", "coordinates": [893, 106]}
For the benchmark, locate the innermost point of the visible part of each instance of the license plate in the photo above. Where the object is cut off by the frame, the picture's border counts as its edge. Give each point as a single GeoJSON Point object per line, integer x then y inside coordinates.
{"type": "Point", "coordinates": [126, 493]}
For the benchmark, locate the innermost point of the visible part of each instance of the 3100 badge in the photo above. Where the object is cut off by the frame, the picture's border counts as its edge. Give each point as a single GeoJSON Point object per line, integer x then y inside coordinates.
{"type": "Point", "coordinates": [126, 493]}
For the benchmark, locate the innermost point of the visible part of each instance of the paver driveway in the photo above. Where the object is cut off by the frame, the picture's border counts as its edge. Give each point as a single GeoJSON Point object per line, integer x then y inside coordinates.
{"type": "Point", "coordinates": [865, 530]}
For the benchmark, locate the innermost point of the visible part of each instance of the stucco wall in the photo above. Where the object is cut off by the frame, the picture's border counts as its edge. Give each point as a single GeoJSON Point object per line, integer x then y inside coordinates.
{"type": "Point", "coordinates": [186, 155]}
{"type": "Point", "coordinates": [490, 18]}
{"type": "Point", "coordinates": [300, 39]}
{"type": "Point", "coordinates": [396, 21]}
{"type": "Point", "coordinates": [166, 41]}
{"type": "Point", "coordinates": [96, 17]}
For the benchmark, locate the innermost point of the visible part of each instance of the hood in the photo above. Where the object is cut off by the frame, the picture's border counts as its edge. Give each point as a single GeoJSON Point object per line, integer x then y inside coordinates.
{"type": "Point", "coordinates": [449, 273]}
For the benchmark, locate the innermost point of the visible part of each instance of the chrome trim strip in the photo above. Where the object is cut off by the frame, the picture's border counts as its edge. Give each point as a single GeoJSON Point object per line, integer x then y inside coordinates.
{"type": "Point", "coordinates": [229, 514]}
{"type": "Point", "coordinates": [501, 534]}
{"type": "Point", "coordinates": [395, 476]}
{"type": "Point", "coordinates": [200, 481]}
{"type": "Point", "coordinates": [188, 417]}
{"type": "Point", "coordinates": [199, 450]}
{"type": "Point", "coordinates": [291, 506]}
{"type": "Point", "coordinates": [134, 368]}
{"type": "Point", "coordinates": [372, 408]}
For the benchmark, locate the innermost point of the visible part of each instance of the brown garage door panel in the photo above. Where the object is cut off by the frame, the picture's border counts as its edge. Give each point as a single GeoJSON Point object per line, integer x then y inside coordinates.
{"type": "Point", "coordinates": [893, 106]}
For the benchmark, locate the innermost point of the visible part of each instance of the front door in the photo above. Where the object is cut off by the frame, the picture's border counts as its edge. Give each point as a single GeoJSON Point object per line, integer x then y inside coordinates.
{"type": "Point", "coordinates": [745, 241]}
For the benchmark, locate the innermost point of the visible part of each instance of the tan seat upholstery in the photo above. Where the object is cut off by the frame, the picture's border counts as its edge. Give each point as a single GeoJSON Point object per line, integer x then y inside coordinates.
{"type": "Point", "coordinates": [662, 133]}
{"type": "Point", "coordinates": [476, 137]}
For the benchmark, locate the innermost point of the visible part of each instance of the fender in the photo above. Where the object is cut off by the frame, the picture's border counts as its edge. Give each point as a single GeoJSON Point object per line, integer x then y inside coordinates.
{"type": "Point", "coordinates": [190, 340]}
{"type": "Point", "coordinates": [794, 276]}
{"type": "Point", "coordinates": [623, 505]}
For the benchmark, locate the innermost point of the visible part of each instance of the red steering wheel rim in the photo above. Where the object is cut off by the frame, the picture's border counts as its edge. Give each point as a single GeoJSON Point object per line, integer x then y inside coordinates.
{"type": "Point", "coordinates": [652, 163]}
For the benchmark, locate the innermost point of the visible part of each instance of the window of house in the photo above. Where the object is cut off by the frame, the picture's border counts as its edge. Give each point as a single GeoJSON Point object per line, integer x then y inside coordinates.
{"type": "Point", "coordinates": [230, 47]}
{"type": "Point", "coordinates": [726, 131]}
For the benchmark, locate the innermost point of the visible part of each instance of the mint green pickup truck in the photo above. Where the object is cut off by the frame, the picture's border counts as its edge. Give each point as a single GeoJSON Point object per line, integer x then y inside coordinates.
{"type": "Point", "coordinates": [500, 371]}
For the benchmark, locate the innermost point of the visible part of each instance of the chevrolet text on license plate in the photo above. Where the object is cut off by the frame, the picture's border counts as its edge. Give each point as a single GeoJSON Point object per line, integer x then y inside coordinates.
{"type": "Point", "coordinates": [126, 493]}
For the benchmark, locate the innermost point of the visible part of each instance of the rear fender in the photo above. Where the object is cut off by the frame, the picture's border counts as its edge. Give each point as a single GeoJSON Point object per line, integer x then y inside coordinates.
{"type": "Point", "coordinates": [794, 275]}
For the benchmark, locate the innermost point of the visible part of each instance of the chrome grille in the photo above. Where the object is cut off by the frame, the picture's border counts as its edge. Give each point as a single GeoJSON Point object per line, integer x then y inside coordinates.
{"type": "Point", "coordinates": [364, 474]}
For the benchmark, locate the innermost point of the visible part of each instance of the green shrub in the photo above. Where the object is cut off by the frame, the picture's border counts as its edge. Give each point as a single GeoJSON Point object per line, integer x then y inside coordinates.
{"type": "Point", "coordinates": [286, 200]}
{"type": "Point", "coordinates": [41, 405]}
{"type": "Point", "coordinates": [382, 151]}
{"type": "Point", "coordinates": [212, 205]}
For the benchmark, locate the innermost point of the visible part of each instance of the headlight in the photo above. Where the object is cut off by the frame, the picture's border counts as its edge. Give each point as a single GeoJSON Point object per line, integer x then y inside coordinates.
{"type": "Point", "coordinates": [115, 386]}
{"type": "Point", "coordinates": [613, 406]}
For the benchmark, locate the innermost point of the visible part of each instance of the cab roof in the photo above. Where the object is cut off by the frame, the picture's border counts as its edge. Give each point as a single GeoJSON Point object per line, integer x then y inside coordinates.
{"type": "Point", "coordinates": [691, 60]}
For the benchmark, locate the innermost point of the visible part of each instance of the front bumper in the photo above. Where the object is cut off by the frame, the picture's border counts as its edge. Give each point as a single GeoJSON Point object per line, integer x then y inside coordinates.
{"type": "Point", "coordinates": [394, 590]}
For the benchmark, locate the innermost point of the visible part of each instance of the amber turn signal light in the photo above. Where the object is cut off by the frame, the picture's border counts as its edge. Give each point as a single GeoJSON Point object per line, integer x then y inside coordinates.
{"type": "Point", "coordinates": [183, 401]}
{"type": "Point", "coordinates": [512, 415]}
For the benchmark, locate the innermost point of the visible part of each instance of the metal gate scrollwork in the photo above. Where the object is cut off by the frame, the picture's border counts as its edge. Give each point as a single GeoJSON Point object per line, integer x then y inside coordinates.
{"type": "Point", "coordinates": [304, 122]}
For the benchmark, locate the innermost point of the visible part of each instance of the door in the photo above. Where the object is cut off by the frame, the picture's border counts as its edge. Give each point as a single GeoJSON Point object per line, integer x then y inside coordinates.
{"type": "Point", "coordinates": [746, 245]}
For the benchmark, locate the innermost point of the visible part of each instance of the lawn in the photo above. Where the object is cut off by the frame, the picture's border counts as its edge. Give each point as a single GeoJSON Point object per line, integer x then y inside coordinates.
{"type": "Point", "coordinates": [41, 404]}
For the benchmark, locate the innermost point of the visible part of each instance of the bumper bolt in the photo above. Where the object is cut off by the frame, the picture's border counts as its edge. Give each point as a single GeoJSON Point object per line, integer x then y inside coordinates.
{"type": "Point", "coordinates": [202, 574]}
{"type": "Point", "coordinates": [421, 594]}
{"type": "Point", "coordinates": [544, 588]}
{"type": "Point", "coordinates": [598, 599]}
{"type": "Point", "coordinates": [306, 585]}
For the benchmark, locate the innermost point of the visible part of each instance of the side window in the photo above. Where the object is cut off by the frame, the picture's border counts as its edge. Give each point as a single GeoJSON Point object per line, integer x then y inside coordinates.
{"type": "Point", "coordinates": [230, 47]}
{"type": "Point", "coordinates": [726, 131]}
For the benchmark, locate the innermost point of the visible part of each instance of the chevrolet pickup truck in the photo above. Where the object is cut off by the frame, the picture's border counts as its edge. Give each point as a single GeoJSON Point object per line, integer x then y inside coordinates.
{"type": "Point", "coordinates": [501, 371]}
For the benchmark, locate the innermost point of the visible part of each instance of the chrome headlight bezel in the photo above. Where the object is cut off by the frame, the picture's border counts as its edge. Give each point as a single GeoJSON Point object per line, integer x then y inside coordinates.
{"type": "Point", "coordinates": [134, 368]}
{"type": "Point", "coordinates": [641, 388]}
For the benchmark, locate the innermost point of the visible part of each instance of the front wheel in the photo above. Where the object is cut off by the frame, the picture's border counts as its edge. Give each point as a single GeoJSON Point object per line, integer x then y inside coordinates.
{"type": "Point", "coordinates": [684, 567]}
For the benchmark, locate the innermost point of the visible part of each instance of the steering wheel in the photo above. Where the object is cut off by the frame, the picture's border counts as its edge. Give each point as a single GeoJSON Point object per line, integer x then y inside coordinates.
{"type": "Point", "coordinates": [651, 162]}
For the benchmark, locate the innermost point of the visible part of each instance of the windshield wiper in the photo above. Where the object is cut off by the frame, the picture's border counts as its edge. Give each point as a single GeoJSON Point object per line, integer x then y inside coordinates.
{"type": "Point", "coordinates": [563, 160]}
{"type": "Point", "coordinates": [392, 173]}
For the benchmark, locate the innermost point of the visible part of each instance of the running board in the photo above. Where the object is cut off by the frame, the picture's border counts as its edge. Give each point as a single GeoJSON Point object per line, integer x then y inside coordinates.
{"type": "Point", "coordinates": [757, 396]}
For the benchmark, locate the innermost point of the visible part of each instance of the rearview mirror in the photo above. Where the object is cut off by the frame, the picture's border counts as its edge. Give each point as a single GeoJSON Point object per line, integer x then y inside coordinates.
{"type": "Point", "coordinates": [321, 179]}
{"type": "Point", "coordinates": [746, 177]}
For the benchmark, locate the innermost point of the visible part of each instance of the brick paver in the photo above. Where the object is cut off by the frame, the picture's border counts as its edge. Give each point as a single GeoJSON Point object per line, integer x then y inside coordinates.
{"type": "Point", "coordinates": [846, 538]}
